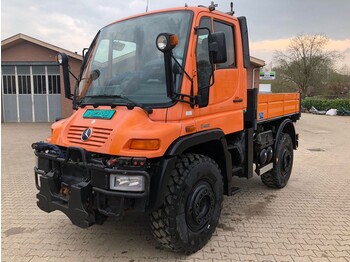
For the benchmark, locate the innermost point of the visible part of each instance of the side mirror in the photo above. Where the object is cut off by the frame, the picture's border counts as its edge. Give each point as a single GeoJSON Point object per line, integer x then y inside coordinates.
{"type": "Point", "coordinates": [62, 60]}
{"type": "Point", "coordinates": [217, 48]}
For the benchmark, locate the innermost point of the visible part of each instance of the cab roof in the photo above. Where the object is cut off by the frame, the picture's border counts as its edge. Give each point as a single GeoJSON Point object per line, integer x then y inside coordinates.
{"type": "Point", "coordinates": [194, 9]}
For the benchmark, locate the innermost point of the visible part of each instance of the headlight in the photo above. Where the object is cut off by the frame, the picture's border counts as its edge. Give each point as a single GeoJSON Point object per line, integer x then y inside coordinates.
{"type": "Point", "coordinates": [127, 183]}
{"type": "Point", "coordinates": [166, 42]}
{"type": "Point", "coordinates": [62, 59]}
{"type": "Point", "coordinates": [162, 42]}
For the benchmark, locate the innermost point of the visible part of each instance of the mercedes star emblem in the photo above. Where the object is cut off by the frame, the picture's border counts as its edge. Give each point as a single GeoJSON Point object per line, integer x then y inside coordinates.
{"type": "Point", "coordinates": [86, 134]}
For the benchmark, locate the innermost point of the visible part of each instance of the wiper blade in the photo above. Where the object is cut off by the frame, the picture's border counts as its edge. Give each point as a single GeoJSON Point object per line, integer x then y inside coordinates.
{"type": "Point", "coordinates": [131, 105]}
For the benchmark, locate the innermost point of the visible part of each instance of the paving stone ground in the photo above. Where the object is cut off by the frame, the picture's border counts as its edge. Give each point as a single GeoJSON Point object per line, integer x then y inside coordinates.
{"type": "Point", "coordinates": [309, 220]}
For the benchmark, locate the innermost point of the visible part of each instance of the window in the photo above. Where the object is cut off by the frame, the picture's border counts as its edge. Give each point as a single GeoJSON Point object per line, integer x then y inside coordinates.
{"type": "Point", "coordinates": [53, 78]}
{"type": "Point", "coordinates": [53, 73]}
{"type": "Point", "coordinates": [128, 63]}
{"type": "Point", "coordinates": [39, 79]}
{"type": "Point", "coordinates": [230, 48]}
{"type": "Point", "coordinates": [8, 80]}
{"type": "Point", "coordinates": [102, 51]}
{"type": "Point", "coordinates": [24, 85]}
{"type": "Point", "coordinates": [24, 81]}
{"type": "Point", "coordinates": [39, 84]}
{"type": "Point", "coordinates": [54, 84]}
{"type": "Point", "coordinates": [204, 68]}
{"type": "Point", "coordinates": [9, 84]}
{"type": "Point", "coordinates": [120, 49]}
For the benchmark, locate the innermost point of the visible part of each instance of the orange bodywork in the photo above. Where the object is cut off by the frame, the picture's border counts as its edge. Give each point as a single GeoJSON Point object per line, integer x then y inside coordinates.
{"type": "Point", "coordinates": [115, 136]}
{"type": "Point", "coordinates": [272, 106]}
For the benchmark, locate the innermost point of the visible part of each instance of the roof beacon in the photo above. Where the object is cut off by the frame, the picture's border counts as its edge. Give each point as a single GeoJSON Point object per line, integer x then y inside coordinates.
{"type": "Point", "coordinates": [212, 6]}
{"type": "Point", "coordinates": [231, 12]}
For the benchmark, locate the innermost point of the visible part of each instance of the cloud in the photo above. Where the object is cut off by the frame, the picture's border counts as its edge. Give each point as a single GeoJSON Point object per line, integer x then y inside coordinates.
{"type": "Point", "coordinates": [65, 32]}
{"type": "Point", "coordinates": [338, 45]}
{"type": "Point", "coordinates": [282, 44]}
{"type": "Point", "coordinates": [73, 24]}
{"type": "Point", "coordinates": [265, 49]}
{"type": "Point", "coordinates": [269, 45]}
{"type": "Point", "coordinates": [137, 3]}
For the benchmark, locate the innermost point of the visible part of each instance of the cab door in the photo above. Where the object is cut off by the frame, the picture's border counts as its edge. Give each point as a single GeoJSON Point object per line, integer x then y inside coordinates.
{"type": "Point", "coordinates": [226, 97]}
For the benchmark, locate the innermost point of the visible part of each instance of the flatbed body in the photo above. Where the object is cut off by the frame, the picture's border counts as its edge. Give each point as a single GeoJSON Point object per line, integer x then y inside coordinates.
{"type": "Point", "coordinates": [272, 106]}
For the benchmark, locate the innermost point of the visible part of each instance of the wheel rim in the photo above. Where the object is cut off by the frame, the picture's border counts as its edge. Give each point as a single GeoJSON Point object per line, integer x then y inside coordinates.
{"type": "Point", "coordinates": [286, 162]}
{"type": "Point", "coordinates": [200, 206]}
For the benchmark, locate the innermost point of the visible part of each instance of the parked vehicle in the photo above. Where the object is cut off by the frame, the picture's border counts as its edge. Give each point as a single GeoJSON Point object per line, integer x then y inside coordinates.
{"type": "Point", "coordinates": [163, 120]}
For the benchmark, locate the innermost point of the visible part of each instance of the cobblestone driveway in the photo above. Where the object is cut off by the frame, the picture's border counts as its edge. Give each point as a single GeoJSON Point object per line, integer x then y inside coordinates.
{"type": "Point", "coordinates": [309, 220]}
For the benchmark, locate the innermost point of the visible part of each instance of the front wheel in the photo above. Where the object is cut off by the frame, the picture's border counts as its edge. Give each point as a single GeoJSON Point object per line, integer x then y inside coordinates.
{"type": "Point", "coordinates": [192, 204]}
{"type": "Point", "coordinates": [278, 177]}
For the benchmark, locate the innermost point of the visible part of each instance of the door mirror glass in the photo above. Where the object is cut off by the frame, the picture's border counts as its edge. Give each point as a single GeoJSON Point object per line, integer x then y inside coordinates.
{"type": "Point", "coordinates": [217, 48]}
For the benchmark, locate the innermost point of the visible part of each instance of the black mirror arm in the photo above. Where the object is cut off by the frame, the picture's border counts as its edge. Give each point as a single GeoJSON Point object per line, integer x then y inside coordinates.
{"type": "Point", "coordinates": [73, 75]}
{"type": "Point", "coordinates": [181, 67]}
{"type": "Point", "coordinates": [192, 98]}
{"type": "Point", "coordinates": [196, 29]}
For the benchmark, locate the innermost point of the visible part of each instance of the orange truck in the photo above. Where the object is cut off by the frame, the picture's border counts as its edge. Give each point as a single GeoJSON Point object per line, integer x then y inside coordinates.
{"type": "Point", "coordinates": [163, 120]}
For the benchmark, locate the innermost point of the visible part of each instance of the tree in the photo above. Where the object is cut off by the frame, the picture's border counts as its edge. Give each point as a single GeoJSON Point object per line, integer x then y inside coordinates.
{"type": "Point", "coordinates": [306, 63]}
{"type": "Point", "coordinates": [339, 83]}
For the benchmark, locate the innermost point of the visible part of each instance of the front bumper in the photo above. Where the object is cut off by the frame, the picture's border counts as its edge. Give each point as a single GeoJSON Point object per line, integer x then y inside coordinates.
{"type": "Point", "coordinates": [79, 188]}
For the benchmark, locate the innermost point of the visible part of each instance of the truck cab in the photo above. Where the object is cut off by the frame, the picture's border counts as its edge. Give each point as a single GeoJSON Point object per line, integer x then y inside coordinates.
{"type": "Point", "coordinates": [163, 120]}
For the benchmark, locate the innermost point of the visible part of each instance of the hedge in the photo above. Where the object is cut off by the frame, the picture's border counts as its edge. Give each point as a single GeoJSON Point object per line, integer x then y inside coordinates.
{"type": "Point", "coordinates": [324, 104]}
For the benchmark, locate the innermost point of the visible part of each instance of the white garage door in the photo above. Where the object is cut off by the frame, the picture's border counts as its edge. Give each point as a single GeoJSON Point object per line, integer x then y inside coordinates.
{"type": "Point", "coordinates": [31, 93]}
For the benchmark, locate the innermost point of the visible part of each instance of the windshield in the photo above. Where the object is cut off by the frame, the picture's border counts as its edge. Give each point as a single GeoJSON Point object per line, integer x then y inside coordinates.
{"type": "Point", "coordinates": [124, 60]}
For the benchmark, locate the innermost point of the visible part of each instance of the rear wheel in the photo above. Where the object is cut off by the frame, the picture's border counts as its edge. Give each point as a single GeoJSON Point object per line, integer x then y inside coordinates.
{"type": "Point", "coordinates": [278, 177]}
{"type": "Point", "coordinates": [192, 205]}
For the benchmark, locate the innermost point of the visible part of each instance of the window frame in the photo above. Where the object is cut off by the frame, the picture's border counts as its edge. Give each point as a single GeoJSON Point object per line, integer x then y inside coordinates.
{"type": "Point", "coordinates": [218, 66]}
{"type": "Point", "coordinates": [196, 51]}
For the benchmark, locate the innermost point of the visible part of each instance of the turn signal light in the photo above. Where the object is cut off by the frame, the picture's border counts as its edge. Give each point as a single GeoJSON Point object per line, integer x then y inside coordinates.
{"type": "Point", "coordinates": [174, 40]}
{"type": "Point", "coordinates": [190, 129]}
{"type": "Point", "coordinates": [145, 144]}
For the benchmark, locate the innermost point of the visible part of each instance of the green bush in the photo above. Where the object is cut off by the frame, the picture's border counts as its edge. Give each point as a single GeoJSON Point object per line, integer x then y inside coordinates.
{"type": "Point", "coordinates": [324, 104]}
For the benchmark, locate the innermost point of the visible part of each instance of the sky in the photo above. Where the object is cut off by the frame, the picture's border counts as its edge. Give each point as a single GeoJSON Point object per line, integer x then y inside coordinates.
{"type": "Point", "coordinates": [272, 23]}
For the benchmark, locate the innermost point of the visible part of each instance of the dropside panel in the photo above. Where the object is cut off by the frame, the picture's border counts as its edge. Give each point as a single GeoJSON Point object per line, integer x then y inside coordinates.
{"type": "Point", "coordinates": [277, 105]}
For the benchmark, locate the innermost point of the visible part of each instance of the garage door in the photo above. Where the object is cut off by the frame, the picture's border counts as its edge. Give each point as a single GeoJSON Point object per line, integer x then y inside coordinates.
{"type": "Point", "coordinates": [31, 93]}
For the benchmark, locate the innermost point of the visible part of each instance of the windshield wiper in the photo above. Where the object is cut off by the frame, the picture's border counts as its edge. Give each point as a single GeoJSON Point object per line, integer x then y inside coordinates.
{"type": "Point", "coordinates": [131, 103]}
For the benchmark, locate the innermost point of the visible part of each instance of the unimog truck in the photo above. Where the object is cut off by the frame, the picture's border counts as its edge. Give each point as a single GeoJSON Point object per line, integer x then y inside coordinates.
{"type": "Point", "coordinates": [163, 120]}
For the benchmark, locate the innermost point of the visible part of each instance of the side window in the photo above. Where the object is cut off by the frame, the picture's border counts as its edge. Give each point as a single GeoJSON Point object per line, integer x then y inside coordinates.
{"type": "Point", "coordinates": [120, 49]}
{"type": "Point", "coordinates": [202, 54]}
{"type": "Point", "coordinates": [101, 55]}
{"type": "Point", "coordinates": [123, 48]}
{"type": "Point", "coordinates": [231, 56]}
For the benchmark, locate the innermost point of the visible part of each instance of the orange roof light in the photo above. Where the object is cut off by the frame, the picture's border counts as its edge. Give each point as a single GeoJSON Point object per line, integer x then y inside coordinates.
{"type": "Point", "coordinates": [174, 40]}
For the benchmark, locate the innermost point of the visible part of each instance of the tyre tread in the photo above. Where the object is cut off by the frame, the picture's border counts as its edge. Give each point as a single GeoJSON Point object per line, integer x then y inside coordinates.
{"type": "Point", "coordinates": [270, 178]}
{"type": "Point", "coordinates": [161, 218]}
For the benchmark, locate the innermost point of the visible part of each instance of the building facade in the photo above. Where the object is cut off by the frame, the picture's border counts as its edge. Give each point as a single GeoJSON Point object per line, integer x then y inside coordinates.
{"type": "Point", "coordinates": [31, 84]}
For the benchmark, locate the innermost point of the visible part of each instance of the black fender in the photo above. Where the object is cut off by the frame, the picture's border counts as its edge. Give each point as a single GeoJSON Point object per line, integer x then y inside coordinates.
{"type": "Point", "coordinates": [287, 126]}
{"type": "Point", "coordinates": [185, 144]}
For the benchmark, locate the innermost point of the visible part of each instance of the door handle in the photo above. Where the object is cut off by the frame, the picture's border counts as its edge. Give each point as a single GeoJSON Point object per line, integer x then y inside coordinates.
{"type": "Point", "coordinates": [238, 100]}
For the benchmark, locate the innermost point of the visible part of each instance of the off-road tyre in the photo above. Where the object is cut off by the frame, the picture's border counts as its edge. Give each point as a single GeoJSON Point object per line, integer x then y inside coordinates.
{"type": "Point", "coordinates": [283, 162]}
{"type": "Point", "coordinates": [192, 205]}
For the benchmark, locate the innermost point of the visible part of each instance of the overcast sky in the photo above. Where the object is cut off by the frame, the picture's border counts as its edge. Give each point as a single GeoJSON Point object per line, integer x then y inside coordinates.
{"type": "Point", "coordinates": [72, 24]}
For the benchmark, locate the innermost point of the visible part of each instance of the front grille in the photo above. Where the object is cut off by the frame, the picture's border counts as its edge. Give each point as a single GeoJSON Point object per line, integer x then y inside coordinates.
{"type": "Point", "coordinates": [98, 138]}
